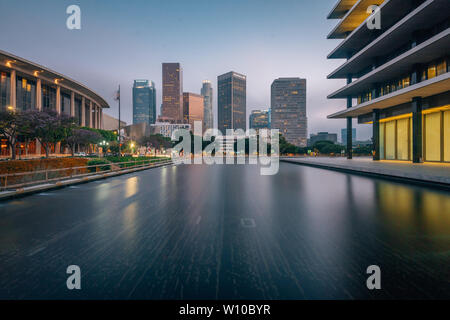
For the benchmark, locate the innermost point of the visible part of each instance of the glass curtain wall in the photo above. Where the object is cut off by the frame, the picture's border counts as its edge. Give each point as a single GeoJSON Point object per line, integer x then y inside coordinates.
{"type": "Point", "coordinates": [25, 94]}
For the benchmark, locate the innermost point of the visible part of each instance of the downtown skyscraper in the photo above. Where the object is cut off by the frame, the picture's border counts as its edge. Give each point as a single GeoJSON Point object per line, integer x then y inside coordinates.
{"type": "Point", "coordinates": [172, 95]}
{"type": "Point", "coordinates": [193, 109]}
{"type": "Point", "coordinates": [207, 93]}
{"type": "Point", "coordinates": [144, 102]}
{"type": "Point", "coordinates": [232, 101]}
{"type": "Point", "coordinates": [288, 104]}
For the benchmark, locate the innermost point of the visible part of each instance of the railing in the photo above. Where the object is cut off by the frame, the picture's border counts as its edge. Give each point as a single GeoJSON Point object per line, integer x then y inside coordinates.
{"type": "Point", "coordinates": [27, 179]}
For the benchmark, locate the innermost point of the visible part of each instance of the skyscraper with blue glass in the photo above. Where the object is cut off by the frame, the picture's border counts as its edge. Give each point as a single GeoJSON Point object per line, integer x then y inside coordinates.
{"type": "Point", "coordinates": [144, 102]}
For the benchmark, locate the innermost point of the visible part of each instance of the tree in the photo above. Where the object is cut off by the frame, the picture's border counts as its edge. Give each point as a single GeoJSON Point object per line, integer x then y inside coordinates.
{"type": "Point", "coordinates": [50, 128]}
{"type": "Point", "coordinates": [25, 130]}
{"type": "Point", "coordinates": [82, 137]}
{"type": "Point", "coordinates": [327, 147]}
{"type": "Point", "coordinates": [156, 141]}
{"type": "Point", "coordinates": [9, 127]}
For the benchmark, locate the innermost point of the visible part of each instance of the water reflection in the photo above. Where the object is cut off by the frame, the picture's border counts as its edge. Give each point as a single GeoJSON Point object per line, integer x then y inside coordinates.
{"type": "Point", "coordinates": [131, 187]}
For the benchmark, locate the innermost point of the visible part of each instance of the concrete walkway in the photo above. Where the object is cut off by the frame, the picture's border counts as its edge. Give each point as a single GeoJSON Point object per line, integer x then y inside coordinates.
{"type": "Point", "coordinates": [429, 173]}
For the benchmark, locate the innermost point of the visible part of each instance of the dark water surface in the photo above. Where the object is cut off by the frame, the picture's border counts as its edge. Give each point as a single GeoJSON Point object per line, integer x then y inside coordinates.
{"type": "Point", "coordinates": [226, 232]}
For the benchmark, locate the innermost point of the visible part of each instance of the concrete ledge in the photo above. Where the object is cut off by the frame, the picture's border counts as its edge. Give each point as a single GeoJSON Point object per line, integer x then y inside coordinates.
{"type": "Point", "coordinates": [423, 174]}
{"type": "Point", "coordinates": [10, 194]}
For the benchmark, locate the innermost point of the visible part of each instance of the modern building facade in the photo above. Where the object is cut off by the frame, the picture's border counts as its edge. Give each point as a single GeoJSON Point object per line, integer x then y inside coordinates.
{"type": "Point", "coordinates": [232, 101]}
{"type": "Point", "coordinates": [322, 136]}
{"type": "Point", "coordinates": [144, 102]}
{"type": "Point", "coordinates": [207, 93]}
{"type": "Point", "coordinates": [172, 95]}
{"type": "Point", "coordinates": [167, 129]}
{"type": "Point", "coordinates": [111, 123]}
{"type": "Point", "coordinates": [25, 85]}
{"type": "Point", "coordinates": [288, 109]}
{"type": "Point", "coordinates": [193, 109]}
{"type": "Point", "coordinates": [259, 119]}
{"type": "Point", "coordinates": [399, 76]}
{"type": "Point", "coordinates": [344, 136]}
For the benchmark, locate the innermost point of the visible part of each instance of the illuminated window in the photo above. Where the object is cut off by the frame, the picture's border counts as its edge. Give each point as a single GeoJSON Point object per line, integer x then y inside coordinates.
{"type": "Point", "coordinates": [433, 136]}
{"type": "Point", "coordinates": [431, 72]}
{"type": "Point", "coordinates": [403, 139]}
{"type": "Point", "coordinates": [446, 136]}
{"type": "Point", "coordinates": [390, 140]}
{"type": "Point", "coordinates": [441, 68]}
{"type": "Point", "coordinates": [406, 82]}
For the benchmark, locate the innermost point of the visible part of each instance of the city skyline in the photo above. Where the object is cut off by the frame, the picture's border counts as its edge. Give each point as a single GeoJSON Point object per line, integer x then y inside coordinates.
{"type": "Point", "coordinates": [271, 53]}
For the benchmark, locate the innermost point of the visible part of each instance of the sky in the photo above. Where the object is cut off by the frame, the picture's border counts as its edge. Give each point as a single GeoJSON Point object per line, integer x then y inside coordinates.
{"type": "Point", "coordinates": [121, 41]}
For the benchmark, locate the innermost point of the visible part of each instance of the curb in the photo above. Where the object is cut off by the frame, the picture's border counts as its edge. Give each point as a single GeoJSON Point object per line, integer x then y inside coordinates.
{"type": "Point", "coordinates": [368, 173]}
{"type": "Point", "coordinates": [22, 192]}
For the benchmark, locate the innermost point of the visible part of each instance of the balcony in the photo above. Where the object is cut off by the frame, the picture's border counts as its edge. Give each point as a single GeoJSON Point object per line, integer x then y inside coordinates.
{"type": "Point", "coordinates": [353, 19]}
{"type": "Point", "coordinates": [391, 13]}
{"type": "Point", "coordinates": [341, 8]}
{"type": "Point", "coordinates": [398, 35]}
{"type": "Point", "coordinates": [423, 89]}
{"type": "Point", "coordinates": [434, 48]}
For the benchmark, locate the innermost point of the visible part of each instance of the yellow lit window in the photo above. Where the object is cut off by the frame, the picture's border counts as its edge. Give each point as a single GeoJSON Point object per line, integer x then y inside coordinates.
{"type": "Point", "coordinates": [446, 136]}
{"type": "Point", "coordinates": [24, 83]}
{"type": "Point", "coordinates": [406, 82]}
{"type": "Point", "coordinates": [433, 136]}
{"type": "Point", "coordinates": [431, 72]}
{"type": "Point", "coordinates": [441, 68]}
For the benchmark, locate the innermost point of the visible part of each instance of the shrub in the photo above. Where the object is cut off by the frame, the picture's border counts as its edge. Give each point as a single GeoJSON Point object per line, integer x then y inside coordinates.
{"type": "Point", "coordinates": [95, 162]}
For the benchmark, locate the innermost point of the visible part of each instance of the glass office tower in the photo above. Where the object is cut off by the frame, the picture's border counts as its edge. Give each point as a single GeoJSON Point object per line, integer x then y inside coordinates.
{"type": "Point", "coordinates": [232, 104]}
{"type": "Point", "coordinates": [144, 102]}
{"type": "Point", "coordinates": [172, 104]}
{"type": "Point", "coordinates": [288, 109]}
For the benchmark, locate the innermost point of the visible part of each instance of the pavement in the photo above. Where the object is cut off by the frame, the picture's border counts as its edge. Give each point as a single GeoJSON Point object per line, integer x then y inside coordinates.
{"type": "Point", "coordinates": [428, 173]}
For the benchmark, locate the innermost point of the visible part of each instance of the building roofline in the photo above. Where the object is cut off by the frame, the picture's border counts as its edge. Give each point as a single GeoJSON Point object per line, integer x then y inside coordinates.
{"type": "Point", "coordinates": [340, 8]}
{"type": "Point", "coordinates": [67, 82]}
{"type": "Point", "coordinates": [353, 18]}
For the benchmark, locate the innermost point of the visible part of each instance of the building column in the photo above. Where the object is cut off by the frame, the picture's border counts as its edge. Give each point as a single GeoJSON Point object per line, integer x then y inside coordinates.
{"type": "Point", "coordinates": [97, 117]}
{"type": "Point", "coordinates": [72, 104]}
{"type": "Point", "coordinates": [416, 74]}
{"type": "Point", "coordinates": [376, 135]}
{"type": "Point", "coordinates": [349, 124]}
{"type": "Point", "coordinates": [91, 125]}
{"type": "Point", "coordinates": [417, 149]}
{"type": "Point", "coordinates": [83, 112]}
{"type": "Point", "coordinates": [101, 118]}
{"type": "Point", "coordinates": [13, 88]}
{"type": "Point", "coordinates": [39, 94]}
{"type": "Point", "coordinates": [58, 99]}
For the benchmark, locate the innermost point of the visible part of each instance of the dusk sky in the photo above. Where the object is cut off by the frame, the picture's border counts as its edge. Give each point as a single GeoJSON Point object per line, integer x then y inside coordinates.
{"type": "Point", "coordinates": [121, 41]}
